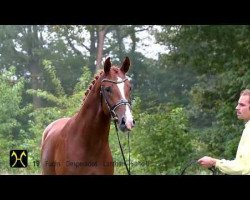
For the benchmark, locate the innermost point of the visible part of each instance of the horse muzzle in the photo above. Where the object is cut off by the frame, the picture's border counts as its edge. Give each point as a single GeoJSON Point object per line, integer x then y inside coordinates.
{"type": "Point", "coordinates": [126, 125]}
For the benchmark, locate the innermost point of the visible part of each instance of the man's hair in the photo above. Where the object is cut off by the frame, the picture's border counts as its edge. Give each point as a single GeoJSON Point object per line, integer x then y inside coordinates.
{"type": "Point", "coordinates": [245, 92]}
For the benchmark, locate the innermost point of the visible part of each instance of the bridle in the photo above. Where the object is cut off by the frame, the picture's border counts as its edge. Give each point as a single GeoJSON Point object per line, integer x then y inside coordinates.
{"type": "Point", "coordinates": [119, 103]}
{"type": "Point", "coordinates": [115, 117]}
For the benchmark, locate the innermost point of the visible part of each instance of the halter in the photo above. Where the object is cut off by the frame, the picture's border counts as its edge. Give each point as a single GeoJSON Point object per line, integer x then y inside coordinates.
{"type": "Point", "coordinates": [114, 116]}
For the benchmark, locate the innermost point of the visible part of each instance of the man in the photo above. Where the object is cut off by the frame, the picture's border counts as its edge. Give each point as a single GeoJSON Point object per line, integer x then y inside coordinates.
{"type": "Point", "coordinates": [241, 163]}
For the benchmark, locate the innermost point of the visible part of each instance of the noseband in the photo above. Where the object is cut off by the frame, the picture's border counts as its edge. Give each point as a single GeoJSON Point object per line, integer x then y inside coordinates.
{"type": "Point", "coordinates": [119, 103]}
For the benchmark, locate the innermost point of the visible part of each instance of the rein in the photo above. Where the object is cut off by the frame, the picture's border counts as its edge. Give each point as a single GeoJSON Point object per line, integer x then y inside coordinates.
{"type": "Point", "coordinates": [123, 156]}
{"type": "Point", "coordinates": [115, 118]}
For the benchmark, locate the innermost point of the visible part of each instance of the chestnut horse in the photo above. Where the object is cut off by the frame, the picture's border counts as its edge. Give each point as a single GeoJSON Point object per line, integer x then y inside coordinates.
{"type": "Point", "coordinates": [79, 145]}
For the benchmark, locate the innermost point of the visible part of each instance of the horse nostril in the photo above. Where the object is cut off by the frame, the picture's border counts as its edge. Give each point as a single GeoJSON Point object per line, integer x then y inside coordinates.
{"type": "Point", "coordinates": [123, 121]}
{"type": "Point", "coordinates": [133, 122]}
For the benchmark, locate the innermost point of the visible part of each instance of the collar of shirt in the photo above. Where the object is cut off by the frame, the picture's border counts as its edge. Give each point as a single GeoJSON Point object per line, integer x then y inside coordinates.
{"type": "Point", "coordinates": [247, 124]}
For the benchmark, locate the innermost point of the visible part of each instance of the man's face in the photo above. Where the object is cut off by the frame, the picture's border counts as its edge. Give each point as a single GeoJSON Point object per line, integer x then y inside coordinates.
{"type": "Point", "coordinates": [243, 108]}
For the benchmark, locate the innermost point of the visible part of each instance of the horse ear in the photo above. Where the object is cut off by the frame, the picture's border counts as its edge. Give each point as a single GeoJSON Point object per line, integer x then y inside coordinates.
{"type": "Point", "coordinates": [125, 65]}
{"type": "Point", "coordinates": [107, 65]}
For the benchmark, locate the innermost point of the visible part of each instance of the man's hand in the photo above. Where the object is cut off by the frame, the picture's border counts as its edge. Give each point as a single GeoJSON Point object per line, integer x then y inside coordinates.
{"type": "Point", "coordinates": [207, 161]}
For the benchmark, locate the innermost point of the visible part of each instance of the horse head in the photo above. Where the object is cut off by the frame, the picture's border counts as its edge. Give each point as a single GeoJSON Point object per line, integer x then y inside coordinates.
{"type": "Point", "coordinates": [116, 94]}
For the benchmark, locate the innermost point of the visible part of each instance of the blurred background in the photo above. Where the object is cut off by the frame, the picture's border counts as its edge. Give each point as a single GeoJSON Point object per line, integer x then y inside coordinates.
{"type": "Point", "coordinates": [186, 83]}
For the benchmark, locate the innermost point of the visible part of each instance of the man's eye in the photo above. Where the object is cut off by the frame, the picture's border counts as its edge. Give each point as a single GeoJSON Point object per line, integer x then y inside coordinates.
{"type": "Point", "coordinates": [108, 89]}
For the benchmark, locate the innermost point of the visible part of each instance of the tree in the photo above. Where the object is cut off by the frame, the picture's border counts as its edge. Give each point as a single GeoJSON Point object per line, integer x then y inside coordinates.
{"type": "Point", "coordinates": [218, 55]}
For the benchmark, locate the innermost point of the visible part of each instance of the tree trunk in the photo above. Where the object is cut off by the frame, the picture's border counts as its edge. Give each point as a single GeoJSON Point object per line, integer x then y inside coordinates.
{"type": "Point", "coordinates": [35, 82]}
{"type": "Point", "coordinates": [133, 38]}
{"type": "Point", "coordinates": [93, 51]}
{"type": "Point", "coordinates": [120, 43]}
{"type": "Point", "coordinates": [33, 63]}
{"type": "Point", "coordinates": [101, 36]}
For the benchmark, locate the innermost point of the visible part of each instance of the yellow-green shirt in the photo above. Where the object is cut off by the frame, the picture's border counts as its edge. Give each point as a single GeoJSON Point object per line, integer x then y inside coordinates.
{"type": "Point", "coordinates": [241, 163]}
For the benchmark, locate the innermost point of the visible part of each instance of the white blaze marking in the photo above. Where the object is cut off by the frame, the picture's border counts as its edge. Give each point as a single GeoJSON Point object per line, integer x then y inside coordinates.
{"type": "Point", "coordinates": [128, 114]}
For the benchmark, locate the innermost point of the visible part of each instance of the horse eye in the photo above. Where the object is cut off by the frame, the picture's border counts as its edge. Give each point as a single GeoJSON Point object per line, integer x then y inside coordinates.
{"type": "Point", "coordinates": [108, 89]}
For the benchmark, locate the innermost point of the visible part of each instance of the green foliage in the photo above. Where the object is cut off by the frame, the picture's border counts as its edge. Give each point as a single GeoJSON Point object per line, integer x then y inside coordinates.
{"type": "Point", "coordinates": [67, 104]}
{"type": "Point", "coordinates": [12, 132]}
{"type": "Point", "coordinates": [159, 144]}
{"type": "Point", "coordinates": [194, 87]}
{"type": "Point", "coordinates": [62, 106]}
{"type": "Point", "coordinates": [218, 55]}
{"type": "Point", "coordinates": [52, 74]}
{"type": "Point", "coordinates": [10, 93]}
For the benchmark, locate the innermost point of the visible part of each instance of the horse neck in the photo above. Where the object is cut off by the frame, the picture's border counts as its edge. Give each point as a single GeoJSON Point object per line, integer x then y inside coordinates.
{"type": "Point", "coordinates": [91, 122]}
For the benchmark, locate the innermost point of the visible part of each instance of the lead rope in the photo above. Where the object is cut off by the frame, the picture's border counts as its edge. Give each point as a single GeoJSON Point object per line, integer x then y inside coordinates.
{"type": "Point", "coordinates": [129, 155]}
{"type": "Point", "coordinates": [212, 169]}
{"type": "Point", "coordinates": [124, 160]}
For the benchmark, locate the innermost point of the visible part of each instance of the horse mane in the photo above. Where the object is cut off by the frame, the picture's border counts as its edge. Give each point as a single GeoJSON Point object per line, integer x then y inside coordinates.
{"type": "Point", "coordinates": [92, 83]}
